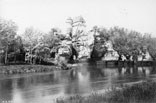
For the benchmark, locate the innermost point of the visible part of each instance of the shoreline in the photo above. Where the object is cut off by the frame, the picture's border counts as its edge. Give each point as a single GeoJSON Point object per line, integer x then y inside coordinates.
{"type": "Point", "coordinates": [114, 63]}
{"type": "Point", "coordinates": [21, 68]}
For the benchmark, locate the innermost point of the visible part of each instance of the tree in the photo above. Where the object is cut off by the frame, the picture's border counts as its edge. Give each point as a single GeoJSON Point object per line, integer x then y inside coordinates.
{"type": "Point", "coordinates": [8, 31]}
{"type": "Point", "coordinates": [41, 52]}
{"type": "Point", "coordinates": [52, 38]}
{"type": "Point", "coordinates": [127, 43]}
{"type": "Point", "coordinates": [150, 45]}
{"type": "Point", "coordinates": [16, 50]}
{"type": "Point", "coordinates": [104, 33]}
{"type": "Point", "coordinates": [32, 37]}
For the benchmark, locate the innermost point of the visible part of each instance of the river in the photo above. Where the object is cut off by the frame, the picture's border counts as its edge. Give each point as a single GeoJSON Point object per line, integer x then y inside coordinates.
{"type": "Point", "coordinates": [84, 78]}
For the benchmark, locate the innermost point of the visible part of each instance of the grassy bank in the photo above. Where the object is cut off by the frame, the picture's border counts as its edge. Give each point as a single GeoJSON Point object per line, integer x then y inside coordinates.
{"type": "Point", "coordinates": [139, 93]}
{"type": "Point", "coordinates": [19, 69]}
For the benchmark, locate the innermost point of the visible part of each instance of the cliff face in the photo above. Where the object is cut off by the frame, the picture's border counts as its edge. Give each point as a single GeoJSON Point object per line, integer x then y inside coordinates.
{"type": "Point", "coordinates": [85, 48]}
{"type": "Point", "coordinates": [88, 45]}
{"type": "Point", "coordinates": [64, 49]}
{"type": "Point", "coordinates": [111, 53]}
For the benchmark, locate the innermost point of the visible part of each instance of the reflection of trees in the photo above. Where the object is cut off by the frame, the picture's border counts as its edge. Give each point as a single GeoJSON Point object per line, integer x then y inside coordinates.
{"type": "Point", "coordinates": [30, 86]}
{"type": "Point", "coordinates": [27, 82]}
{"type": "Point", "coordinates": [120, 70]}
{"type": "Point", "coordinates": [153, 70]}
{"type": "Point", "coordinates": [135, 69]}
{"type": "Point", "coordinates": [84, 81]}
{"type": "Point", "coordinates": [79, 82]}
{"type": "Point", "coordinates": [96, 72]}
{"type": "Point", "coordinates": [73, 74]}
{"type": "Point", "coordinates": [5, 90]}
{"type": "Point", "coordinates": [128, 70]}
{"type": "Point", "coordinates": [144, 71]}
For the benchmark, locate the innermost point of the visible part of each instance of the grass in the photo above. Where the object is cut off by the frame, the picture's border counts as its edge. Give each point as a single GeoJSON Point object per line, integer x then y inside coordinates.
{"type": "Point", "coordinates": [138, 93]}
{"type": "Point", "coordinates": [19, 69]}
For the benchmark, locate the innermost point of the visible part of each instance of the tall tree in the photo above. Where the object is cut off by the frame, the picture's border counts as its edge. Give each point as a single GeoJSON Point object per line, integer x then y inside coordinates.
{"type": "Point", "coordinates": [8, 31]}
{"type": "Point", "coordinates": [31, 37]}
{"type": "Point", "coordinates": [150, 45]}
{"type": "Point", "coordinates": [52, 38]}
{"type": "Point", "coordinates": [127, 43]}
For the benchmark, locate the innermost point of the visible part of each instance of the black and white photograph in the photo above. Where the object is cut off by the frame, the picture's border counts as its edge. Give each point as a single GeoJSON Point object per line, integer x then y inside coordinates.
{"type": "Point", "coordinates": [77, 51]}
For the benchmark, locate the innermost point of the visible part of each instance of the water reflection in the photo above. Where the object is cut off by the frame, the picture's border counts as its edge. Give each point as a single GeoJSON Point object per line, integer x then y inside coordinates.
{"type": "Point", "coordinates": [82, 79]}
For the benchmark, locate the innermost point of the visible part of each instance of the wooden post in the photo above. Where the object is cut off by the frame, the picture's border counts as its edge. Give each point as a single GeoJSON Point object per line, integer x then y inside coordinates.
{"type": "Point", "coordinates": [6, 54]}
{"type": "Point", "coordinates": [31, 56]}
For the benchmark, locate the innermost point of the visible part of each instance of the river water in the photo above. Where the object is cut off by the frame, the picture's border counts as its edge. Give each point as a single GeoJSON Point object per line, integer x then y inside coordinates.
{"type": "Point", "coordinates": [84, 78]}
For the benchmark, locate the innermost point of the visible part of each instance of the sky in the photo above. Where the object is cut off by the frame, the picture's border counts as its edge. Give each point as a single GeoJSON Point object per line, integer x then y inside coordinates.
{"type": "Point", "coordinates": [139, 15]}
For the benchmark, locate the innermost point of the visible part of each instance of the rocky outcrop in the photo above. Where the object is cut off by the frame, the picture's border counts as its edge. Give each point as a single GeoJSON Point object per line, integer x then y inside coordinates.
{"type": "Point", "coordinates": [83, 45]}
{"type": "Point", "coordinates": [111, 53]}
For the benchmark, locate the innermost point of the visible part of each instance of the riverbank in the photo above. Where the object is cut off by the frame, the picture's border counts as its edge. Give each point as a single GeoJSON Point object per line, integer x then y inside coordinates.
{"type": "Point", "coordinates": [20, 69]}
{"type": "Point", "coordinates": [114, 63]}
{"type": "Point", "coordinates": [144, 92]}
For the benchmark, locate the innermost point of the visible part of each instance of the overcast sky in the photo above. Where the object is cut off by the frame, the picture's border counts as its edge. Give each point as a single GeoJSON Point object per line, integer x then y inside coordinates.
{"type": "Point", "coordinates": [139, 15]}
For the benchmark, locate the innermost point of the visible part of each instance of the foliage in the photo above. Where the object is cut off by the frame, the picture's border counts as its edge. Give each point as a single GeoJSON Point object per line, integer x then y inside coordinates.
{"type": "Point", "coordinates": [41, 50]}
{"type": "Point", "coordinates": [152, 47]}
{"type": "Point", "coordinates": [7, 35]}
{"type": "Point", "coordinates": [7, 32]}
{"type": "Point", "coordinates": [104, 33]}
{"type": "Point", "coordinates": [16, 45]}
{"type": "Point", "coordinates": [127, 43]}
{"type": "Point", "coordinates": [52, 38]}
{"type": "Point", "coordinates": [31, 37]}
